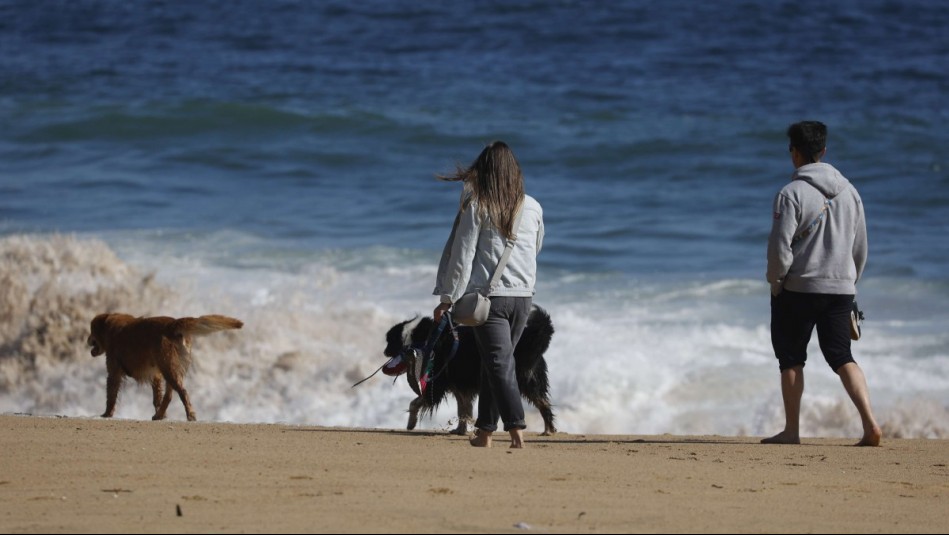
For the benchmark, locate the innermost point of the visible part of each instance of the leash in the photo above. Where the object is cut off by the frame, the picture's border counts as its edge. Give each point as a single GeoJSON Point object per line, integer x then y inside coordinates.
{"type": "Point", "coordinates": [428, 377]}
{"type": "Point", "coordinates": [373, 374]}
{"type": "Point", "coordinates": [377, 371]}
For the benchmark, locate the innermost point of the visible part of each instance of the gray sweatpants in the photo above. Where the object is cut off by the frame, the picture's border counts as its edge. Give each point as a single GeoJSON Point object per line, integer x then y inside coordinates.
{"type": "Point", "coordinates": [500, 396]}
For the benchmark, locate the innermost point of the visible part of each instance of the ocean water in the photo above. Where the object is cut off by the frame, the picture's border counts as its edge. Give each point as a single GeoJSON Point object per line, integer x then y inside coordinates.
{"type": "Point", "coordinates": [275, 162]}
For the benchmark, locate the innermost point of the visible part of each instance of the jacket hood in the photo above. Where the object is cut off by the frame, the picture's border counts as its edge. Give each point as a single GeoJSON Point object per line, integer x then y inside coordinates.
{"type": "Point", "coordinates": [824, 177]}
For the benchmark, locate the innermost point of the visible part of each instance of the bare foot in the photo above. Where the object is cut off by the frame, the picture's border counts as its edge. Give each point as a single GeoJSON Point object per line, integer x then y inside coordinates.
{"type": "Point", "coordinates": [481, 439]}
{"type": "Point", "coordinates": [783, 438]}
{"type": "Point", "coordinates": [871, 438]}
{"type": "Point", "coordinates": [517, 439]}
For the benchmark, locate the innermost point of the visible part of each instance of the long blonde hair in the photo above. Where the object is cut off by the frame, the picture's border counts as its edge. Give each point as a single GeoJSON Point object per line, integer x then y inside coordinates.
{"type": "Point", "coordinates": [496, 182]}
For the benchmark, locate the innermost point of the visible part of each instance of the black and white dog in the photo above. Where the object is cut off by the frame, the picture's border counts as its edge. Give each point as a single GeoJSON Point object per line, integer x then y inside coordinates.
{"type": "Point", "coordinates": [462, 377]}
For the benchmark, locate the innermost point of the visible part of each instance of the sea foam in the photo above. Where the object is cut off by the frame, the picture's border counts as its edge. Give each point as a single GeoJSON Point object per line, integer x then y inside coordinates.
{"type": "Point", "coordinates": [628, 356]}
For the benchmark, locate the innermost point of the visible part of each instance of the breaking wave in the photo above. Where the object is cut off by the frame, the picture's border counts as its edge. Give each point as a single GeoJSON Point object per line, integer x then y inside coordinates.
{"type": "Point", "coordinates": [630, 358]}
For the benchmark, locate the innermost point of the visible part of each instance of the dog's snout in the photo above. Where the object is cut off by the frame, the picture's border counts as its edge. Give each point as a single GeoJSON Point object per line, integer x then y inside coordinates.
{"type": "Point", "coordinates": [94, 344]}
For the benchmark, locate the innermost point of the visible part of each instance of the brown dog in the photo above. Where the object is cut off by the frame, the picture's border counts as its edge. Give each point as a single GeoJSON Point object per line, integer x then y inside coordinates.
{"type": "Point", "coordinates": [151, 350]}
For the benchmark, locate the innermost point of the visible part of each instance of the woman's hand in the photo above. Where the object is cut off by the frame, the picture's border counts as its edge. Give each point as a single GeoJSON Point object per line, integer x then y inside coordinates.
{"type": "Point", "coordinates": [440, 310]}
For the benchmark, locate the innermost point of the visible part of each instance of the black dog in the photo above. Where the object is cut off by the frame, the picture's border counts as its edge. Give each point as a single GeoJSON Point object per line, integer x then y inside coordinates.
{"type": "Point", "coordinates": [462, 377]}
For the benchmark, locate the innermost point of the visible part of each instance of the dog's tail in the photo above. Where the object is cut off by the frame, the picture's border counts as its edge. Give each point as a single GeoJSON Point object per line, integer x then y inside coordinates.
{"type": "Point", "coordinates": [203, 325]}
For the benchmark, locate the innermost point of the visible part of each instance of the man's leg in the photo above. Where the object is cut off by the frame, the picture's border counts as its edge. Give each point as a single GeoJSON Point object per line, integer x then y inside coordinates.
{"type": "Point", "coordinates": [833, 330]}
{"type": "Point", "coordinates": [856, 385]}
{"type": "Point", "coordinates": [792, 323]}
{"type": "Point", "coordinates": [792, 390]}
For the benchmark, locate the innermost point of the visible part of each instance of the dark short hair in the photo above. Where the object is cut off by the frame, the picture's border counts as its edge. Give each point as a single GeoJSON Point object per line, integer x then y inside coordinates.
{"type": "Point", "coordinates": [808, 137]}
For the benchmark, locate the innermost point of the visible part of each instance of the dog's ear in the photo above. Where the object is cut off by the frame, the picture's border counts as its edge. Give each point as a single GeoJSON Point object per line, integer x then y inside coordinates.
{"type": "Point", "coordinates": [98, 323]}
{"type": "Point", "coordinates": [394, 340]}
{"type": "Point", "coordinates": [96, 339]}
{"type": "Point", "coordinates": [422, 330]}
{"type": "Point", "coordinates": [102, 324]}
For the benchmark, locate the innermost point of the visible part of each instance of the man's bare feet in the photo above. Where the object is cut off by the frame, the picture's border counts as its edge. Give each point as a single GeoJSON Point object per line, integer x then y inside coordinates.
{"type": "Point", "coordinates": [481, 439]}
{"type": "Point", "coordinates": [783, 437]}
{"type": "Point", "coordinates": [871, 438]}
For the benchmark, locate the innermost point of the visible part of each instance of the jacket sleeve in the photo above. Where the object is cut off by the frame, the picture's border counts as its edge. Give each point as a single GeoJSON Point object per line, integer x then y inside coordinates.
{"type": "Point", "coordinates": [540, 233]}
{"type": "Point", "coordinates": [458, 269]}
{"type": "Point", "coordinates": [860, 245]}
{"type": "Point", "coordinates": [780, 256]}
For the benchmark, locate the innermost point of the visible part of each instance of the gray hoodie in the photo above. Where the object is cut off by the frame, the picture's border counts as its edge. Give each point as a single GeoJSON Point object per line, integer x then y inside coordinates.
{"type": "Point", "coordinates": [830, 251]}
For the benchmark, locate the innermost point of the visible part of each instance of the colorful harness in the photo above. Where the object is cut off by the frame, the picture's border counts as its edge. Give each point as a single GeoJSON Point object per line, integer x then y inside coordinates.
{"type": "Point", "coordinates": [425, 357]}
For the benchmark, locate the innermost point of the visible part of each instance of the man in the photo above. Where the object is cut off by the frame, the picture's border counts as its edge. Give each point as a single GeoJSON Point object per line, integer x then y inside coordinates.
{"type": "Point", "coordinates": [816, 254]}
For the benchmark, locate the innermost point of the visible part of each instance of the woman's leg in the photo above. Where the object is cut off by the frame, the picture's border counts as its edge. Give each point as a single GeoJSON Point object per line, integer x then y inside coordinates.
{"type": "Point", "coordinates": [500, 396]}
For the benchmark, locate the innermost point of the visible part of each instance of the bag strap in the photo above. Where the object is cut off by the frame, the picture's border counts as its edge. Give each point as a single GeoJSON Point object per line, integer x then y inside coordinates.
{"type": "Point", "coordinates": [828, 203]}
{"type": "Point", "coordinates": [507, 251]}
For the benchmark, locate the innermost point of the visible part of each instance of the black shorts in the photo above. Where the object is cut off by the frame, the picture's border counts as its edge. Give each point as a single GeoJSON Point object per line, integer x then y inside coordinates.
{"type": "Point", "coordinates": [793, 317]}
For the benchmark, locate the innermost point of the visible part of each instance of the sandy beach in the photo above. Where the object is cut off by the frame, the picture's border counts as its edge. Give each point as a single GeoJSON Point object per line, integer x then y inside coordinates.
{"type": "Point", "coordinates": [94, 475]}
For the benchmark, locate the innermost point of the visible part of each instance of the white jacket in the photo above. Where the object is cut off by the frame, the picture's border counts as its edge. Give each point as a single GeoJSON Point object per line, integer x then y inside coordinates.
{"type": "Point", "coordinates": [473, 251]}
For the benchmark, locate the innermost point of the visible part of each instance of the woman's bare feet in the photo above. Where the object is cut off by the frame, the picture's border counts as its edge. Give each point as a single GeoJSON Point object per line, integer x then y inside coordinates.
{"type": "Point", "coordinates": [783, 437]}
{"type": "Point", "coordinates": [517, 439]}
{"type": "Point", "coordinates": [481, 439]}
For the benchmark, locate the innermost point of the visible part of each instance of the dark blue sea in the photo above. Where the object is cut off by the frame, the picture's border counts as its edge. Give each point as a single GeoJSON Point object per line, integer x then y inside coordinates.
{"type": "Point", "coordinates": [275, 161]}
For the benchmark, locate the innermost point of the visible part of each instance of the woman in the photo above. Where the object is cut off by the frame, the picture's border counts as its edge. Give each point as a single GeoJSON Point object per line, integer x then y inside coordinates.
{"type": "Point", "coordinates": [493, 193]}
